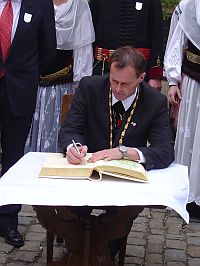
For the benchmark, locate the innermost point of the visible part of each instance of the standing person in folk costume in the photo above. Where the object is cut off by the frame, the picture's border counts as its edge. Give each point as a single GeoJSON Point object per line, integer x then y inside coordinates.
{"type": "Point", "coordinates": [174, 21]}
{"type": "Point", "coordinates": [27, 46]}
{"type": "Point", "coordinates": [75, 34]}
{"type": "Point", "coordinates": [129, 22]}
{"type": "Point", "coordinates": [182, 67]}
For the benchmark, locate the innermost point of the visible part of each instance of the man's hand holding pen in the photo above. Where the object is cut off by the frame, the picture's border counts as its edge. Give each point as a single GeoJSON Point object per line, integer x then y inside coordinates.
{"type": "Point", "coordinates": [75, 154]}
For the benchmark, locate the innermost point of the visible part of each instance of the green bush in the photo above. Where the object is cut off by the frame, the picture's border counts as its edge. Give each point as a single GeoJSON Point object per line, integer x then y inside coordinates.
{"type": "Point", "coordinates": [168, 7]}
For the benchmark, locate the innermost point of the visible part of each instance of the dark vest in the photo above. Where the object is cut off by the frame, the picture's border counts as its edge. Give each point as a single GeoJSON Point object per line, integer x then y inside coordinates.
{"type": "Point", "coordinates": [60, 71]}
{"type": "Point", "coordinates": [191, 62]}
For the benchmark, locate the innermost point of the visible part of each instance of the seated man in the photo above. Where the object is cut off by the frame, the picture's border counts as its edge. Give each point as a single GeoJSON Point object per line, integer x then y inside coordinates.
{"type": "Point", "coordinates": [117, 116]}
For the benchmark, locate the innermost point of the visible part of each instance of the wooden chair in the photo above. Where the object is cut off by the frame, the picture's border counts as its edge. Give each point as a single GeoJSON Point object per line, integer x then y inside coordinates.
{"type": "Point", "coordinates": [66, 103]}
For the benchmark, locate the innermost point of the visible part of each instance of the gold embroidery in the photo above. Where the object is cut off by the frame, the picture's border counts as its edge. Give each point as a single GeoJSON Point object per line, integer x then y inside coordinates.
{"type": "Point", "coordinates": [194, 58]}
{"type": "Point", "coordinates": [59, 74]}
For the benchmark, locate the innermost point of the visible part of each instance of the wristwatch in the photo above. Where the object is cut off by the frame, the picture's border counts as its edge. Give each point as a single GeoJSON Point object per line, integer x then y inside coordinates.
{"type": "Point", "coordinates": [123, 149]}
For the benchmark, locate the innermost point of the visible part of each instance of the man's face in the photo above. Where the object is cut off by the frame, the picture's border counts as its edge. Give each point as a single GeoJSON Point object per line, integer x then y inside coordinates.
{"type": "Point", "coordinates": [124, 81]}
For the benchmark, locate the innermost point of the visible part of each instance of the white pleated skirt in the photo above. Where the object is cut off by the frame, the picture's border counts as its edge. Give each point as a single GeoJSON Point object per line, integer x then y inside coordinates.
{"type": "Point", "coordinates": [187, 144]}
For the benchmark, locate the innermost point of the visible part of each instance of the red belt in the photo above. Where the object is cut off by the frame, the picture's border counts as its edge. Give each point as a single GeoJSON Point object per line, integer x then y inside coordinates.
{"type": "Point", "coordinates": [102, 54]}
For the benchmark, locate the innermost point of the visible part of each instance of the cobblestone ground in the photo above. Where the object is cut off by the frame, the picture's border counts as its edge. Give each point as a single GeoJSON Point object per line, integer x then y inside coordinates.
{"type": "Point", "coordinates": [158, 237]}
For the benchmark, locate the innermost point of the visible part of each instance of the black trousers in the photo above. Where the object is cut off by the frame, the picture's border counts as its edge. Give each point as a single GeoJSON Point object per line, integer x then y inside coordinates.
{"type": "Point", "coordinates": [14, 132]}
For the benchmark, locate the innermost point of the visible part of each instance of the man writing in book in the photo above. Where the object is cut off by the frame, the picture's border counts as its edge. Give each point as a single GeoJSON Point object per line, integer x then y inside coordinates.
{"type": "Point", "coordinates": [117, 116]}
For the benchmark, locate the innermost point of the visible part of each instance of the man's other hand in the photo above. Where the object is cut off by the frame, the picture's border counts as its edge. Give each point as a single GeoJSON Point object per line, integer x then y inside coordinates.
{"type": "Point", "coordinates": [108, 154]}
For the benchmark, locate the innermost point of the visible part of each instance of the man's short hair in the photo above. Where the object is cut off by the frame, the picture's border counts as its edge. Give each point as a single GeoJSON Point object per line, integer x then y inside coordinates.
{"type": "Point", "coordinates": [129, 56]}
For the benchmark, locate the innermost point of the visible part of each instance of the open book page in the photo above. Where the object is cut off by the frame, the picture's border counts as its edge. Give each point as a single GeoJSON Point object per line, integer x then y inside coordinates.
{"type": "Point", "coordinates": [57, 166]}
{"type": "Point", "coordinates": [123, 169]}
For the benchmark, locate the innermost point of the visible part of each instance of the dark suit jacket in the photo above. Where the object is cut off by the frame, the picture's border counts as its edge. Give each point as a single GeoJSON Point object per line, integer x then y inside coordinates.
{"type": "Point", "coordinates": [88, 122]}
{"type": "Point", "coordinates": [32, 49]}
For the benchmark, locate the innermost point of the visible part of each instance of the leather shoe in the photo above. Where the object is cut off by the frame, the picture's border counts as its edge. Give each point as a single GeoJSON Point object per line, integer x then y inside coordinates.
{"type": "Point", "coordinates": [12, 237]}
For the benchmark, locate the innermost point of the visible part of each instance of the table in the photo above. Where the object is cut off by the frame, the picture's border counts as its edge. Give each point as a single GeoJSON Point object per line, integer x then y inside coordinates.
{"type": "Point", "coordinates": [22, 185]}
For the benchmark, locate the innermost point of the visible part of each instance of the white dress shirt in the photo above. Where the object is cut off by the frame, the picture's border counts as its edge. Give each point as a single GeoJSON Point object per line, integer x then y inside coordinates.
{"type": "Point", "coordinates": [127, 103]}
{"type": "Point", "coordinates": [16, 5]}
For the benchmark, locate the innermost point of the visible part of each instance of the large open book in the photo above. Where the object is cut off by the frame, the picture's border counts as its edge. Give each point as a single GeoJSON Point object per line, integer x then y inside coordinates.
{"type": "Point", "coordinates": [57, 166]}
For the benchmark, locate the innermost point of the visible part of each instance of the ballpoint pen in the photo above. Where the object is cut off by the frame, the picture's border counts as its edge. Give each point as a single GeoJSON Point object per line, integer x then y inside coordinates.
{"type": "Point", "coordinates": [75, 146]}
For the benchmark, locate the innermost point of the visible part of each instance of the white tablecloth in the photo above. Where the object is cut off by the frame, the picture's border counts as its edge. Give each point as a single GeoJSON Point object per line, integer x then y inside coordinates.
{"type": "Point", "coordinates": [21, 185]}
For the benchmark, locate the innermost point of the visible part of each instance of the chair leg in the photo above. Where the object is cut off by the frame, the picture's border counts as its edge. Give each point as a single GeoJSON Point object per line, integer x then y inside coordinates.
{"type": "Point", "coordinates": [87, 235]}
{"type": "Point", "coordinates": [122, 251]}
{"type": "Point", "coordinates": [50, 239]}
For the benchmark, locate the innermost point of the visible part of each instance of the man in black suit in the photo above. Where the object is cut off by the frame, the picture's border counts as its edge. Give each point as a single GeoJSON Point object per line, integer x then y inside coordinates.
{"type": "Point", "coordinates": [129, 22]}
{"type": "Point", "coordinates": [28, 45]}
{"type": "Point", "coordinates": [141, 134]}
{"type": "Point", "coordinates": [119, 116]}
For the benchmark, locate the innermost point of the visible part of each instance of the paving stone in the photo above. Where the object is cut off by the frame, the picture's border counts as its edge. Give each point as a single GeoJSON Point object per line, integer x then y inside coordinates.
{"type": "Point", "coordinates": [137, 251]}
{"type": "Point", "coordinates": [139, 227]}
{"type": "Point", "coordinates": [175, 255]}
{"type": "Point", "coordinates": [26, 256]}
{"type": "Point", "coordinates": [177, 244]}
{"type": "Point", "coordinates": [58, 251]}
{"type": "Point", "coordinates": [158, 215]}
{"type": "Point", "coordinates": [22, 229]}
{"type": "Point", "coordinates": [174, 236]}
{"type": "Point", "coordinates": [154, 248]}
{"type": "Point", "coordinates": [136, 234]}
{"type": "Point", "coordinates": [31, 246]}
{"type": "Point", "coordinates": [156, 224]}
{"type": "Point", "coordinates": [193, 241]}
{"type": "Point", "coordinates": [194, 262]}
{"type": "Point", "coordinates": [3, 257]}
{"type": "Point", "coordinates": [37, 228]}
{"type": "Point", "coordinates": [174, 229]}
{"type": "Point", "coordinates": [194, 251]}
{"type": "Point", "coordinates": [134, 260]}
{"type": "Point", "coordinates": [136, 241]}
{"type": "Point", "coordinates": [28, 213]}
{"type": "Point", "coordinates": [5, 247]}
{"type": "Point", "coordinates": [25, 220]}
{"type": "Point", "coordinates": [157, 231]}
{"type": "Point", "coordinates": [158, 239]}
{"type": "Point", "coordinates": [196, 234]}
{"type": "Point", "coordinates": [194, 227]}
{"type": "Point", "coordinates": [35, 236]}
{"type": "Point", "coordinates": [141, 219]}
{"type": "Point", "coordinates": [27, 208]}
{"type": "Point", "coordinates": [174, 220]}
{"type": "Point", "coordinates": [154, 258]}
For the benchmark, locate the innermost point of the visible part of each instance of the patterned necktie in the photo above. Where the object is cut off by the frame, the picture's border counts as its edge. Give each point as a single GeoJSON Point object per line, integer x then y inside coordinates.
{"type": "Point", "coordinates": [6, 22]}
{"type": "Point", "coordinates": [118, 114]}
